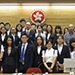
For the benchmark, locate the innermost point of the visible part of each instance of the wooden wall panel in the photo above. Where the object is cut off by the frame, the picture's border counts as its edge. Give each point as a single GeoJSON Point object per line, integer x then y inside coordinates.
{"type": "Point", "coordinates": [55, 15]}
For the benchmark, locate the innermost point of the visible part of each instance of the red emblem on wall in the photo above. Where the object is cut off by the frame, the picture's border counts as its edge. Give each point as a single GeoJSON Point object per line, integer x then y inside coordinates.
{"type": "Point", "coordinates": [37, 14]}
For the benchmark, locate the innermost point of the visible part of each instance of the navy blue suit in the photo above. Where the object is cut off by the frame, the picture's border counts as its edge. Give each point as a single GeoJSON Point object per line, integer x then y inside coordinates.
{"type": "Point", "coordinates": [31, 37]}
{"type": "Point", "coordinates": [28, 58]}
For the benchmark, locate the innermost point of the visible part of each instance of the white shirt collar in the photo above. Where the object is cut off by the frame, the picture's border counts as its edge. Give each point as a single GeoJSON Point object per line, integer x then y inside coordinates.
{"type": "Point", "coordinates": [3, 35]}
{"type": "Point", "coordinates": [28, 30]}
{"type": "Point", "coordinates": [60, 46]}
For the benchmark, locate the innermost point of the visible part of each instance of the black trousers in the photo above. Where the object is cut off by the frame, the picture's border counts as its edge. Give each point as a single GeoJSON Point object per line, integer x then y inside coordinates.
{"type": "Point", "coordinates": [22, 68]}
{"type": "Point", "coordinates": [0, 64]}
{"type": "Point", "coordinates": [49, 65]}
{"type": "Point", "coordinates": [8, 69]}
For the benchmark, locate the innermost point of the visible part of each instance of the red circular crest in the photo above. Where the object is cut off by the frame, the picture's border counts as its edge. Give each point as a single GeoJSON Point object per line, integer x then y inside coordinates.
{"type": "Point", "coordinates": [37, 14]}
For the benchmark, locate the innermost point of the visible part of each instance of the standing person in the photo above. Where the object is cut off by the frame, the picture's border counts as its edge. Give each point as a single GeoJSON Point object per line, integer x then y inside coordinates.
{"type": "Point", "coordinates": [10, 56]}
{"type": "Point", "coordinates": [63, 52]}
{"type": "Point", "coordinates": [44, 28]}
{"type": "Point", "coordinates": [31, 34]}
{"type": "Point", "coordinates": [58, 31]}
{"type": "Point", "coordinates": [23, 23]}
{"type": "Point", "coordinates": [7, 26]}
{"type": "Point", "coordinates": [49, 34]}
{"type": "Point", "coordinates": [25, 54]}
{"type": "Point", "coordinates": [3, 36]}
{"type": "Point", "coordinates": [72, 47]}
{"type": "Point", "coordinates": [19, 31]}
{"type": "Point", "coordinates": [38, 48]}
{"type": "Point", "coordinates": [1, 56]}
{"type": "Point", "coordinates": [15, 37]}
{"type": "Point", "coordinates": [66, 30]}
{"type": "Point", "coordinates": [69, 35]}
{"type": "Point", "coordinates": [49, 58]}
{"type": "Point", "coordinates": [33, 27]}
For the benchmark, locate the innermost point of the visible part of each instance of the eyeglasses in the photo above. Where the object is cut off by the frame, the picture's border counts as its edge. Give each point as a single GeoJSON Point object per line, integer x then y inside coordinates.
{"type": "Point", "coordinates": [24, 37]}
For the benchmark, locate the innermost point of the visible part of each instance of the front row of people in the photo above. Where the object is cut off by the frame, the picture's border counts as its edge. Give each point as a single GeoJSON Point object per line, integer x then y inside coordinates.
{"type": "Point", "coordinates": [27, 56]}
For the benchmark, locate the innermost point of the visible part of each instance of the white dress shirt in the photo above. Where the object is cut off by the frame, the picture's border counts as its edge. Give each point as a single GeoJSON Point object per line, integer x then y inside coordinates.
{"type": "Point", "coordinates": [48, 36]}
{"type": "Point", "coordinates": [49, 55]}
{"type": "Point", "coordinates": [38, 49]}
{"type": "Point", "coordinates": [2, 50]}
{"type": "Point", "coordinates": [19, 34]}
{"type": "Point", "coordinates": [60, 49]}
{"type": "Point", "coordinates": [41, 34]}
{"type": "Point", "coordinates": [23, 29]}
{"type": "Point", "coordinates": [24, 48]}
{"type": "Point", "coordinates": [8, 32]}
{"type": "Point", "coordinates": [13, 36]}
{"type": "Point", "coordinates": [3, 36]}
{"type": "Point", "coordinates": [73, 54]}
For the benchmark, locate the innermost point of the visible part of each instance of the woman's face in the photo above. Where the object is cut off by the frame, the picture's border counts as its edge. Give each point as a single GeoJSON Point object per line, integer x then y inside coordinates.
{"type": "Point", "coordinates": [39, 29]}
{"type": "Point", "coordinates": [57, 30]}
{"type": "Point", "coordinates": [49, 29]}
{"type": "Point", "coordinates": [9, 41]}
{"type": "Point", "coordinates": [39, 41]}
{"type": "Point", "coordinates": [3, 30]}
{"type": "Point", "coordinates": [49, 45]}
{"type": "Point", "coordinates": [73, 44]}
{"type": "Point", "coordinates": [60, 40]}
{"type": "Point", "coordinates": [19, 28]}
{"type": "Point", "coordinates": [66, 30]}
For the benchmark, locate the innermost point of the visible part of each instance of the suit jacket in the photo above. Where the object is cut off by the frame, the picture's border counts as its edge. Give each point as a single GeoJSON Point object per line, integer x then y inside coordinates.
{"type": "Point", "coordinates": [64, 54]}
{"type": "Point", "coordinates": [19, 38]}
{"type": "Point", "coordinates": [3, 42]}
{"type": "Point", "coordinates": [38, 57]}
{"type": "Point", "coordinates": [51, 36]}
{"type": "Point", "coordinates": [28, 56]}
{"type": "Point", "coordinates": [10, 59]}
{"type": "Point", "coordinates": [16, 42]}
{"type": "Point", "coordinates": [31, 37]}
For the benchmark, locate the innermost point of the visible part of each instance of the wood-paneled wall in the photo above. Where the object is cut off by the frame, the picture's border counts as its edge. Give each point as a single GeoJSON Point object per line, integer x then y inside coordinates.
{"type": "Point", "coordinates": [55, 15]}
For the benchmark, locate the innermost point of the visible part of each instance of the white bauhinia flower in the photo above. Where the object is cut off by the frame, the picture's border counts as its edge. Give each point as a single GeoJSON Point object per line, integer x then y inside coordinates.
{"type": "Point", "coordinates": [37, 16]}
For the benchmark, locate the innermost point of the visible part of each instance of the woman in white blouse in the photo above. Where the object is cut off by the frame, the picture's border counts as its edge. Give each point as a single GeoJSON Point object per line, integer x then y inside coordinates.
{"type": "Point", "coordinates": [72, 47]}
{"type": "Point", "coordinates": [1, 55]}
{"type": "Point", "coordinates": [49, 57]}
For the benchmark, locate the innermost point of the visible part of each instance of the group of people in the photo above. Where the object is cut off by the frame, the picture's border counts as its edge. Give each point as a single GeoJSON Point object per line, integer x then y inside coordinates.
{"type": "Point", "coordinates": [34, 45]}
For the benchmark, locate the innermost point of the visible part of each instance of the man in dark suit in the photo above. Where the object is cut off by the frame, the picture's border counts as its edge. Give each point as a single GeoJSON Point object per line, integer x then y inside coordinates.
{"type": "Point", "coordinates": [25, 54]}
{"type": "Point", "coordinates": [31, 34]}
{"type": "Point", "coordinates": [63, 52]}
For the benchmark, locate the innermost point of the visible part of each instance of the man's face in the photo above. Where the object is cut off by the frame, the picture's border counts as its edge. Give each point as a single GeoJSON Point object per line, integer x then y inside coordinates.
{"type": "Point", "coordinates": [28, 26]}
{"type": "Point", "coordinates": [24, 38]}
{"type": "Point", "coordinates": [23, 23]}
{"type": "Point", "coordinates": [7, 26]}
{"type": "Point", "coordinates": [33, 27]}
{"type": "Point", "coordinates": [71, 28]}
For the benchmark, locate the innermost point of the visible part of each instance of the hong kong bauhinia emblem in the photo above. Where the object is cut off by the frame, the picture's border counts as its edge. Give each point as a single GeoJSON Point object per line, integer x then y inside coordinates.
{"type": "Point", "coordinates": [38, 14]}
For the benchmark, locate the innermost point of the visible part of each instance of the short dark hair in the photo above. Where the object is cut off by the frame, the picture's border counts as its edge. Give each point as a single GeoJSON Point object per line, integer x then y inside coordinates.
{"type": "Point", "coordinates": [3, 27]}
{"type": "Point", "coordinates": [45, 24]}
{"type": "Point", "coordinates": [71, 41]}
{"type": "Point", "coordinates": [2, 23]}
{"type": "Point", "coordinates": [49, 41]}
{"type": "Point", "coordinates": [33, 24]}
{"type": "Point", "coordinates": [39, 26]}
{"type": "Point", "coordinates": [60, 35]}
{"type": "Point", "coordinates": [24, 34]}
{"type": "Point", "coordinates": [7, 24]}
{"type": "Point", "coordinates": [38, 21]}
{"type": "Point", "coordinates": [22, 20]}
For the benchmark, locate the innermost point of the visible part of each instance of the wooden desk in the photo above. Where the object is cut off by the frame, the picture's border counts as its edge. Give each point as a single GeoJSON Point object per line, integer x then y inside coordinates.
{"type": "Point", "coordinates": [39, 74]}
